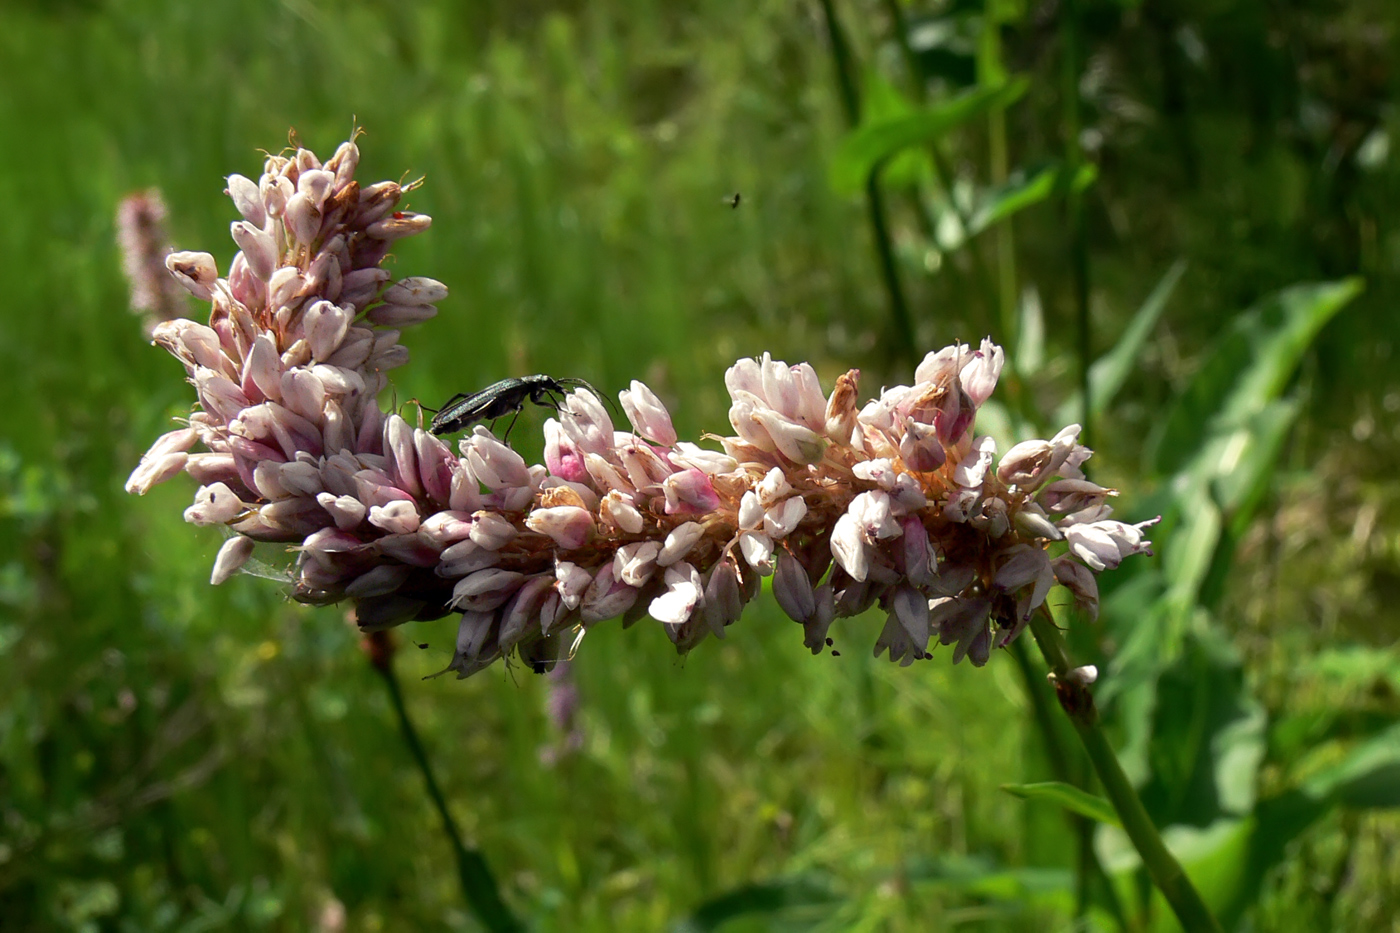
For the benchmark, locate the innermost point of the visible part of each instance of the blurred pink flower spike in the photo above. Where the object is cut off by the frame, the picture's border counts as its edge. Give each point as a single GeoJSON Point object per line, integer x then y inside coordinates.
{"type": "Point", "coordinates": [898, 502]}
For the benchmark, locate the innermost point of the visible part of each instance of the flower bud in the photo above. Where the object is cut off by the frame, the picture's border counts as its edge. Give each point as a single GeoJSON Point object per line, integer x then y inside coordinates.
{"type": "Point", "coordinates": [793, 588]}
{"type": "Point", "coordinates": [648, 415]}
{"type": "Point", "coordinates": [683, 594]}
{"type": "Point", "coordinates": [679, 542]}
{"type": "Point", "coordinates": [231, 557]}
{"type": "Point", "coordinates": [569, 526]}
{"type": "Point", "coordinates": [197, 272]}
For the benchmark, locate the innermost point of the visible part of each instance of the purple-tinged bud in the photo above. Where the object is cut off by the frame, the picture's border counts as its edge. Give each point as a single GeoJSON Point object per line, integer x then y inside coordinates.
{"type": "Point", "coordinates": [298, 354]}
{"type": "Point", "coordinates": [919, 447]}
{"type": "Point", "coordinates": [154, 470]}
{"type": "Point", "coordinates": [563, 459]}
{"type": "Point", "coordinates": [689, 492]}
{"type": "Point", "coordinates": [344, 163]}
{"type": "Point", "coordinates": [231, 558]}
{"type": "Point", "coordinates": [325, 326]}
{"type": "Point", "coordinates": [616, 509]}
{"type": "Point", "coordinates": [1081, 583]}
{"type": "Point", "coordinates": [359, 288]}
{"type": "Point", "coordinates": [1025, 566]}
{"type": "Point", "coordinates": [411, 549]}
{"type": "Point", "coordinates": [848, 547]}
{"type": "Point", "coordinates": [724, 600]}
{"type": "Point", "coordinates": [197, 272]}
{"type": "Point", "coordinates": [376, 613]}
{"type": "Point", "coordinates": [523, 609]}
{"type": "Point", "coordinates": [679, 542]}
{"type": "Point", "coordinates": [214, 505]}
{"type": "Point", "coordinates": [645, 469]}
{"type": "Point", "coordinates": [992, 519]}
{"type": "Point", "coordinates": [380, 581]}
{"type": "Point", "coordinates": [683, 593]}
{"type": "Point", "coordinates": [219, 395]}
{"type": "Point", "coordinates": [911, 608]}
{"type": "Point", "coordinates": [398, 225]}
{"type": "Point", "coordinates": [402, 455]}
{"type": "Point", "coordinates": [486, 590]}
{"type": "Point", "coordinates": [463, 558]}
{"type": "Point", "coordinates": [436, 466]}
{"type": "Point", "coordinates": [446, 527]}
{"type": "Point", "coordinates": [302, 218]}
{"type": "Point", "coordinates": [855, 597]}
{"type": "Point", "coordinates": [691, 457]}
{"type": "Point", "coordinates": [285, 287]}
{"type": "Point", "coordinates": [262, 370]}
{"type": "Point", "coordinates": [476, 644]}
{"type": "Point", "coordinates": [916, 553]}
{"type": "Point", "coordinates": [635, 563]}
{"type": "Point", "coordinates": [606, 597]}
{"type": "Point", "coordinates": [304, 393]}
{"type": "Point", "coordinates": [971, 472]}
{"type": "Point", "coordinates": [244, 192]}
{"type": "Point", "coordinates": [398, 518]}
{"type": "Point", "coordinates": [572, 582]}
{"type": "Point", "coordinates": [316, 184]}
{"type": "Point", "coordinates": [1030, 520]}
{"type": "Point", "coordinates": [258, 249]}
{"type": "Point", "coordinates": [416, 290]}
{"type": "Point", "coordinates": [376, 201]}
{"type": "Point", "coordinates": [491, 531]}
{"type": "Point", "coordinates": [465, 495]}
{"type": "Point", "coordinates": [495, 464]}
{"type": "Point", "coordinates": [793, 588]}
{"type": "Point", "coordinates": [795, 441]}
{"type": "Point", "coordinates": [941, 364]}
{"type": "Point", "coordinates": [1103, 545]}
{"type": "Point", "coordinates": [979, 376]}
{"type": "Point", "coordinates": [959, 620]}
{"type": "Point", "coordinates": [648, 415]}
{"type": "Point", "coordinates": [1067, 496]}
{"type": "Point", "coordinates": [895, 639]}
{"type": "Point", "coordinates": [841, 408]}
{"type": "Point", "coordinates": [267, 480]}
{"type": "Point", "coordinates": [209, 468]}
{"type": "Point", "coordinates": [1026, 465]}
{"type": "Point", "coordinates": [814, 629]}
{"type": "Point", "coordinates": [569, 526]}
{"type": "Point", "coordinates": [345, 511]}
{"type": "Point", "coordinates": [386, 315]}
{"type": "Point", "coordinates": [781, 520]}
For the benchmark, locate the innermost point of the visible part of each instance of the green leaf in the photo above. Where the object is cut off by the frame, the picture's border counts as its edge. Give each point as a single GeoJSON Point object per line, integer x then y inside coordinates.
{"type": "Point", "coordinates": [1024, 190]}
{"type": "Point", "coordinates": [1109, 372]}
{"type": "Point", "coordinates": [803, 895]}
{"type": "Point", "coordinates": [1068, 796]}
{"type": "Point", "coordinates": [1249, 367]}
{"type": "Point", "coordinates": [869, 145]}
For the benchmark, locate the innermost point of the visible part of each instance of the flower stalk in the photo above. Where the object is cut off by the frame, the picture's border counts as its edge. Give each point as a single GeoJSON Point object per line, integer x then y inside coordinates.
{"type": "Point", "coordinates": [1077, 701]}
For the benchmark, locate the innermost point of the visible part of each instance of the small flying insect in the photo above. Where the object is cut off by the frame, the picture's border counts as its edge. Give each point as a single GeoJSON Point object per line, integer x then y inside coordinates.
{"type": "Point", "coordinates": [503, 398]}
{"type": "Point", "coordinates": [733, 199]}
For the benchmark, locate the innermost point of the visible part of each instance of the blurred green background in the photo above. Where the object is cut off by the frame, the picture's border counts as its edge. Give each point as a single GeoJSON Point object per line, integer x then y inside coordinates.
{"type": "Point", "coordinates": [175, 756]}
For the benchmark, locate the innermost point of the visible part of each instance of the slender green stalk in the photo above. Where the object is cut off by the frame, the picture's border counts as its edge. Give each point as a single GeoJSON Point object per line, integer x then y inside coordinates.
{"type": "Point", "coordinates": [1066, 768]}
{"type": "Point", "coordinates": [844, 61]}
{"type": "Point", "coordinates": [1161, 865]}
{"type": "Point", "coordinates": [478, 885]}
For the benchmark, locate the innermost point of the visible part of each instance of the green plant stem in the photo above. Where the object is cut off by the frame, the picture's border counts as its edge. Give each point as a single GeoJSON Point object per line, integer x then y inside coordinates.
{"type": "Point", "coordinates": [479, 887]}
{"type": "Point", "coordinates": [844, 61]}
{"type": "Point", "coordinates": [1161, 865]}
{"type": "Point", "coordinates": [1070, 771]}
